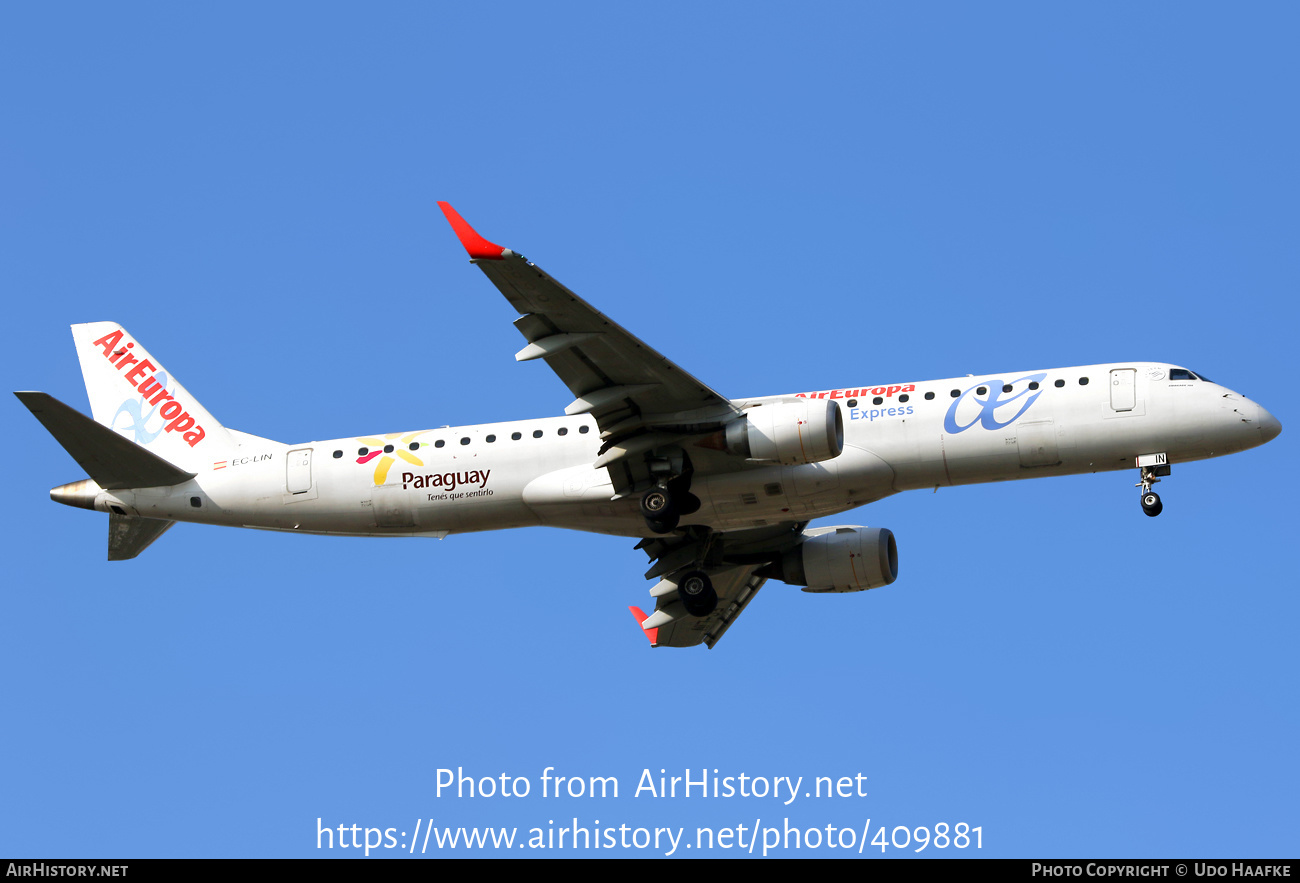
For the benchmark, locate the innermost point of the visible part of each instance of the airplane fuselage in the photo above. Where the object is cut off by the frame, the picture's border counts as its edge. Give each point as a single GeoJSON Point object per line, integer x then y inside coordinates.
{"type": "Point", "coordinates": [897, 437]}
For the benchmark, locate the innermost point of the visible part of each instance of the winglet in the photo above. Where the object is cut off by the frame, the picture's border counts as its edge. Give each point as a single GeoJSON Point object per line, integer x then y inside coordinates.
{"type": "Point", "coordinates": [479, 248]}
{"type": "Point", "coordinates": [652, 634]}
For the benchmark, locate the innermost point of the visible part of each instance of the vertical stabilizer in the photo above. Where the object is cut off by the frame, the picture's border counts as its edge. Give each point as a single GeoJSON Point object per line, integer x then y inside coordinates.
{"type": "Point", "coordinates": [132, 394]}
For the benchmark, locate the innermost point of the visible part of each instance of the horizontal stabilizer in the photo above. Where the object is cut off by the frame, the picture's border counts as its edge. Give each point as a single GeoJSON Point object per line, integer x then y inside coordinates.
{"type": "Point", "coordinates": [129, 535]}
{"type": "Point", "coordinates": [112, 461]}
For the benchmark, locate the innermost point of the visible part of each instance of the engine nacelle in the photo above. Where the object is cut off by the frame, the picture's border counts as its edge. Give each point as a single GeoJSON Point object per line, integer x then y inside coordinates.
{"type": "Point", "coordinates": [840, 559]}
{"type": "Point", "coordinates": [790, 433]}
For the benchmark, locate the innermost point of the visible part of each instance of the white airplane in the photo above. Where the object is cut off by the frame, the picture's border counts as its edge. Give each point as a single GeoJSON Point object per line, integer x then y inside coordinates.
{"type": "Point", "coordinates": [720, 490]}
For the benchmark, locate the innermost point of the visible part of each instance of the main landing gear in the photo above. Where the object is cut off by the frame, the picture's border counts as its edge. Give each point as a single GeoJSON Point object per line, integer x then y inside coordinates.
{"type": "Point", "coordinates": [664, 506]}
{"type": "Point", "coordinates": [1151, 504]}
{"type": "Point", "coordinates": [697, 593]}
{"type": "Point", "coordinates": [657, 507]}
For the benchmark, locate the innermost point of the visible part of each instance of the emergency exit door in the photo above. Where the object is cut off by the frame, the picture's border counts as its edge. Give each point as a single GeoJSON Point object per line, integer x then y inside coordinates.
{"type": "Point", "coordinates": [298, 471]}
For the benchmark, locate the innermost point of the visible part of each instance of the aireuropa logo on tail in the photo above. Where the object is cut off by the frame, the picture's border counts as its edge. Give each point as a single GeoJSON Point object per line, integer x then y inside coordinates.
{"type": "Point", "coordinates": [151, 384]}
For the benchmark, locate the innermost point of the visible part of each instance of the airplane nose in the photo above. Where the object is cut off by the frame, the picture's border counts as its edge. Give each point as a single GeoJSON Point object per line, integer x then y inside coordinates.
{"type": "Point", "coordinates": [1269, 426]}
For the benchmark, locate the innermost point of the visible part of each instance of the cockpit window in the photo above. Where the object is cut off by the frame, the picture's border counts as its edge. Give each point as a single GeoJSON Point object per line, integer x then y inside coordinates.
{"type": "Point", "coordinates": [1181, 374]}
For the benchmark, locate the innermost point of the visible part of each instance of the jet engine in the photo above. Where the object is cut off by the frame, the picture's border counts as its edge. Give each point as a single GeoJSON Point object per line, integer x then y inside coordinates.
{"type": "Point", "coordinates": [839, 559]}
{"type": "Point", "coordinates": [790, 433]}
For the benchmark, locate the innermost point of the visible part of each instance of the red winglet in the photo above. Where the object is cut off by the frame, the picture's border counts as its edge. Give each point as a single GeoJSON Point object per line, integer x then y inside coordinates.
{"type": "Point", "coordinates": [478, 247]}
{"type": "Point", "coordinates": [652, 634]}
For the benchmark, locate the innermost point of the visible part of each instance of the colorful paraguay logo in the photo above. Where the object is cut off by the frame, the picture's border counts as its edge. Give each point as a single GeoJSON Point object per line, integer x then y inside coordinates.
{"type": "Point", "coordinates": [387, 450]}
{"type": "Point", "coordinates": [988, 400]}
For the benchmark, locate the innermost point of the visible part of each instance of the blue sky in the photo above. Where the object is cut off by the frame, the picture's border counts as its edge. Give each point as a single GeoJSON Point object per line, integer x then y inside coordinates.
{"type": "Point", "coordinates": [778, 200]}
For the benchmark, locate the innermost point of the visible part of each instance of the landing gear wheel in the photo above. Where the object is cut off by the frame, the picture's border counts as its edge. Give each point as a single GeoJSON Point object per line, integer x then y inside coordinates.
{"type": "Point", "coordinates": [1151, 504]}
{"type": "Point", "coordinates": [664, 524]}
{"type": "Point", "coordinates": [656, 503]}
{"type": "Point", "coordinates": [686, 503]}
{"type": "Point", "coordinates": [697, 594]}
{"type": "Point", "coordinates": [683, 501]}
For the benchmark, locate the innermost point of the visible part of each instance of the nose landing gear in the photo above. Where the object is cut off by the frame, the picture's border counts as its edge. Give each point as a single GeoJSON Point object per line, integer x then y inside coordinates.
{"type": "Point", "coordinates": [1152, 467]}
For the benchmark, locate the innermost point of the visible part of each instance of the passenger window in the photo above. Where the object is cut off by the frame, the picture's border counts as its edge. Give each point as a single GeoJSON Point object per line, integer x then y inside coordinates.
{"type": "Point", "coordinates": [414, 446]}
{"type": "Point", "coordinates": [1083, 381]}
{"type": "Point", "coordinates": [929, 396]}
{"type": "Point", "coordinates": [465, 440]}
{"type": "Point", "coordinates": [516, 436]}
{"type": "Point", "coordinates": [877, 400]}
{"type": "Point", "coordinates": [537, 433]}
{"type": "Point", "coordinates": [388, 449]}
{"type": "Point", "coordinates": [904, 397]}
{"type": "Point", "coordinates": [439, 443]}
{"type": "Point", "coordinates": [981, 391]}
{"type": "Point", "coordinates": [1060, 383]}
{"type": "Point", "coordinates": [584, 429]}
{"type": "Point", "coordinates": [338, 454]}
{"type": "Point", "coordinates": [563, 430]}
{"type": "Point", "coordinates": [1033, 384]}
{"type": "Point", "coordinates": [852, 403]}
{"type": "Point", "coordinates": [491, 438]}
{"type": "Point", "coordinates": [956, 393]}
{"type": "Point", "coordinates": [1006, 387]}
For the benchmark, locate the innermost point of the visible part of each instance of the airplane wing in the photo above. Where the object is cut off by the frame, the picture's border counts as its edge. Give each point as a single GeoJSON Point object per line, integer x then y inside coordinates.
{"type": "Point", "coordinates": [733, 563]}
{"type": "Point", "coordinates": [736, 587]}
{"type": "Point", "coordinates": [639, 399]}
{"type": "Point", "coordinates": [647, 409]}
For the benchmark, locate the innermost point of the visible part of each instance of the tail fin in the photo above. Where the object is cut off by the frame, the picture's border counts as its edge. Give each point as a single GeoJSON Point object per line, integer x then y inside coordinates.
{"type": "Point", "coordinates": [132, 394]}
